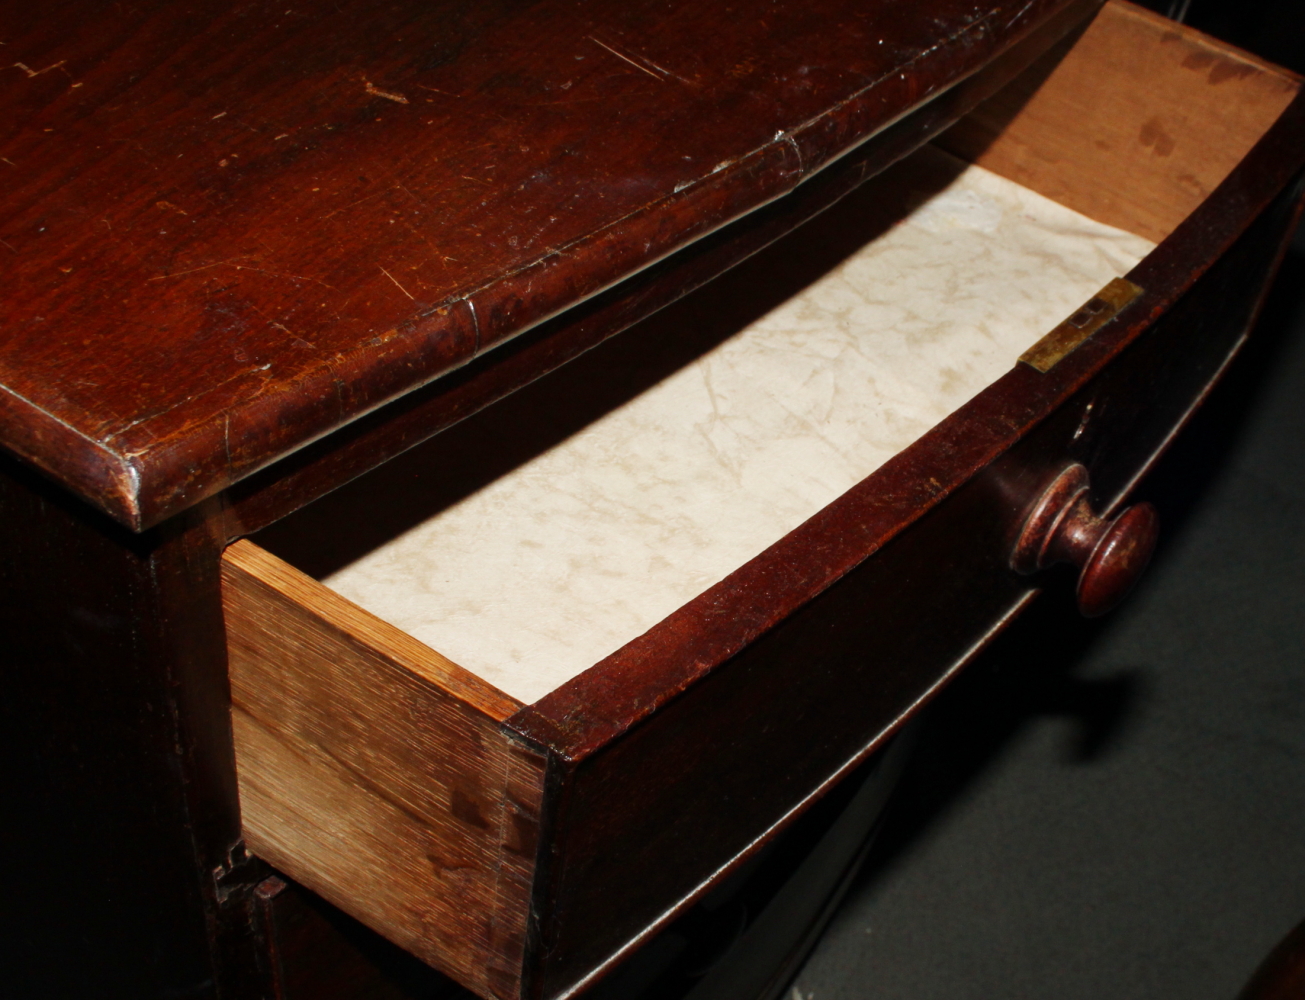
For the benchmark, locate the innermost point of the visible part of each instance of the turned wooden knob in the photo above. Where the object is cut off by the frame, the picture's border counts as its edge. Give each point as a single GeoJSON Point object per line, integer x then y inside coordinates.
{"type": "Point", "coordinates": [1110, 554]}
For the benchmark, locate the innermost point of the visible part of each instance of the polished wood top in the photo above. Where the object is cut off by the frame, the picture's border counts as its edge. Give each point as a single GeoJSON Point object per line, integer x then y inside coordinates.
{"type": "Point", "coordinates": [229, 228]}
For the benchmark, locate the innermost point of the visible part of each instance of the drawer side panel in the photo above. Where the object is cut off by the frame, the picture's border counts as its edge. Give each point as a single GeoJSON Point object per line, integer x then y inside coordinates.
{"type": "Point", "coordinates": [1135, 126]}
{"type": "Point", "coordinates": [394, 798]}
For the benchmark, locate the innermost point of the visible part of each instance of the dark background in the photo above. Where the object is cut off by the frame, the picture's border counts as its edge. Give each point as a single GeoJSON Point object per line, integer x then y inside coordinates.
{"type": "Point", "coordinates": [1116, 808]}
{"type": "Point", "coordinates": [1274, 29]}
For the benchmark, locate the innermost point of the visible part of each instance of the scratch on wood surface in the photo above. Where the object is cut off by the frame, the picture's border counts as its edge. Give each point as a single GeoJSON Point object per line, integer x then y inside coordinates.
{"type": "Point", "coordinates": [1019, 13]}
{"type": "Point", "coordinates": [10, 247]}
{"type": "Point", "coordinates": [232, 262]}
{"type": "Point", "coordinates": [423, 207]}
{"type": "Point", "coordinates": [668, 72]}
{"type": "Point", "coordinates": [797, 150]}
{"type": "Point", "coordinates": [475, 324]}
{"type": "Point", "coordinates": [270, 321]}
{"type": "Point", "coordinates": [220, 114]}
{"type": "Point", "coordinates": [639, 66]}
{"type": "Point", "coordinates": [282, 274]}
{"type": "Point", "coordinates": [404, 189]}
{"type": "Point", "coordinates": [37, 72]}
{"type": "Point", "coordinates": [389, 95]}
{"type": "Point", "coordinates": [436, 90]}
{"type": "Point", "coordinates": [169, 207]}
{"type": "Point", "coordinates": [352, 204]}
{"type": "Point", "coordinates": [396, 283]}
{"type": "Point", "coordinates": [193, 270]}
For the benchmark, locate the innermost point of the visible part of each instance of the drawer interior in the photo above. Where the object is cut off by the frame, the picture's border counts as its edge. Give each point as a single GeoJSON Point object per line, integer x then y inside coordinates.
{"type": "Point", "coordinates": [430, 599]}
{"type": "Point", "coordinates": [663, 460]}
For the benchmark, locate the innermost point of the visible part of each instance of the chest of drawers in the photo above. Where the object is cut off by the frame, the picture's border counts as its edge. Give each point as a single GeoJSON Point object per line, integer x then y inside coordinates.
{"type": "Point", "coordinates": [526, 772]}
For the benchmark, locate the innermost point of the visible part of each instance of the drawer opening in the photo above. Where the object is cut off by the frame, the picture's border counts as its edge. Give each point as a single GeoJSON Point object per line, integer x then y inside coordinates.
{"type": "Point", "coordinates": [380, 636]}
{"type": "Point", "coordinates": [540, 535]}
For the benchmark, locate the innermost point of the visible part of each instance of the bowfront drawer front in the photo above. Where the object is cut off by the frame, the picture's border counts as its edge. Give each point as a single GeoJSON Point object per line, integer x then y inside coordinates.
{"type": "Point", "coordinates": [466, 782]}
{"type": "Point", "coordinates": [687, 748]}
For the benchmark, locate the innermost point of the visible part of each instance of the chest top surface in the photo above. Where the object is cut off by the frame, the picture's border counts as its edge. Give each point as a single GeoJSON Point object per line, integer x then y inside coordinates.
{"type": "Point", "coordinates": [229, 228]}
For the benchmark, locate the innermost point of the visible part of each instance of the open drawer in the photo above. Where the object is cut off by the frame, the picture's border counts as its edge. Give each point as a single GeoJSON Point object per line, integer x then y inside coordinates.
{"type": "Point", "coordinates": [589, 667]}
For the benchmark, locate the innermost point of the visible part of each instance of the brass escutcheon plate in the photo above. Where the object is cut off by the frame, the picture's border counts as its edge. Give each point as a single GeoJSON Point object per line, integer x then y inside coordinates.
{"type": "Point", "coordinates": [1095, 313]}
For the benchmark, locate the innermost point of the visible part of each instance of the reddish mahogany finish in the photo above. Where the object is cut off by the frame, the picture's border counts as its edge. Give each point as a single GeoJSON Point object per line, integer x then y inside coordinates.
{"type": "Point", "coordinates": [231, 229]}
{"type": "Point", "coordinates": [272, 493]}
{"type": "Point", "coordinates": [1111, 554]}
{"type": "Point", "coordinates": [121, 866]}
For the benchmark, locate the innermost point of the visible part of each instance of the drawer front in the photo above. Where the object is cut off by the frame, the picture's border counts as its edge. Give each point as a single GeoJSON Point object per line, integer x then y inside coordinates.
{"type": "Point", "coordinates": [641, 821]}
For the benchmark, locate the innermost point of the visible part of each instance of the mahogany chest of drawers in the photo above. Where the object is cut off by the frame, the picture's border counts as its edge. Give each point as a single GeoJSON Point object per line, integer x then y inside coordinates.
{"type": "Point", "coordinates": [296, 303]}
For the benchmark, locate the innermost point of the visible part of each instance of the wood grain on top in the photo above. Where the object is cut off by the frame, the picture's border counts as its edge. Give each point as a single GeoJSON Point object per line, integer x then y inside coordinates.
{"type": "Point", "coordinates": [228, 228]}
